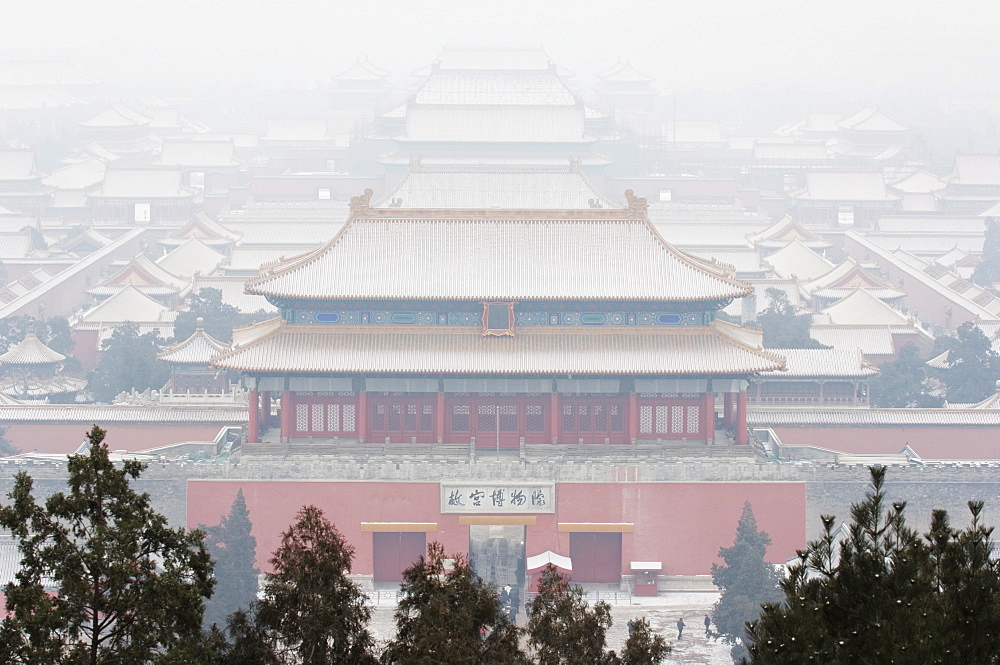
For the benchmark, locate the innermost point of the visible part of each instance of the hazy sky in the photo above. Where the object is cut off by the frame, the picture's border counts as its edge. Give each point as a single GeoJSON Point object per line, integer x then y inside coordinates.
{"type": "Point", "coordinates": [849, 45]}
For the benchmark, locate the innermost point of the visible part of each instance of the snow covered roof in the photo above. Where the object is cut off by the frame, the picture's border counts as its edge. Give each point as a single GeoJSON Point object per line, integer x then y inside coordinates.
{"type": "Point", "coordinates": [976, 168]}
{"type": "Point", "coordinates": [863, 308]}
{"type": "Point", "coordinates": [129, 304]}
{"type": "Point", "coordinates": [116, 115]}
{"type": "Point", "coordinates": [870, 119]}
{"type": "Point", "coordinates": [841, 363]}
{"type": "Point", "coordinates": [31, 351]}
{"type": "Point", "coordinates": [198, 349]}
{"type": "Point", "coordinates": [190, 258]}
{"type": "Point", "coordinates": [797, 259]}
{"type": "Point", "coordinates": [845, 186]}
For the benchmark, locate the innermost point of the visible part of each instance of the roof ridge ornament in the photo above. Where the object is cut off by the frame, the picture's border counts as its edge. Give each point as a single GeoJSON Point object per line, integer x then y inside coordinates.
{"type": "Point", "coordinates": [361, 206]}
{"type": "Point", "coordinates": [637, 206]}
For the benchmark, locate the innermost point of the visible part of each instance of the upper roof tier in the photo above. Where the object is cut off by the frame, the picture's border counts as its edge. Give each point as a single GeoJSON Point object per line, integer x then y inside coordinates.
{"type": "Point", "coordinates": [398, 254]}
{"type": "Point", "coordinates": [495, 88]}
{"type": "Point", "coordinates": [31, 351]}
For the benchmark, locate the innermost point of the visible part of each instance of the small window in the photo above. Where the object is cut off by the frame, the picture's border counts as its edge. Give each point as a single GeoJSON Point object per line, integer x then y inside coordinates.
{"type": "Point", "coordinates": [498, 318]}
{"type": "Point", "coordinates": [197, 179]}
{"type": "Point", "coordinates": [324, 193]}
{"type": "Point", "coordinates": [845, 216]}
{"type": "Point", "coordinates": [666, 195]}
{"type": "Point", "coordinates": [142, 212]}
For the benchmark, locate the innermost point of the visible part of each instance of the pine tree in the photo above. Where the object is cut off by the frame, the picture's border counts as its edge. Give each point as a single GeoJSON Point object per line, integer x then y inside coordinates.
{"type": "Point", "coordinates": [562, 629]}
{"type": "Point", "coordinates": [103, 579]}
{"type": "Point", "coordinates": [987, 273]}
{"type": "Point", "coordinates": [973, 366]}
{"type": "Point", "coordinates": [902, 383]}
{"type": "Point", "coordinates": [747, 580]}
{"type": "Point", "coordinates": [643, 646]}
{"type": "Point", "coordinates": [233, 550]}
{"type": "Point", "coordinates": [448, 616]}
{"type": "Point", "coordinates": [311, 607]}
{"type": "Point", "coordinates": [884, 595]}
{"type": "Point", "coordinates": [782, 327]}
{"type": "Point", "coordinates": [128, 362]}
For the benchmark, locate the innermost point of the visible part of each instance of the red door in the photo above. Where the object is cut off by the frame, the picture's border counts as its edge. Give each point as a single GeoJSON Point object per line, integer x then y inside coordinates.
{"type": "Point", "coordinates": [597, 557]}
{"type": "Point", "coordinates": [394, 552]}
{"type": "Point", "coordinates": [592, 418]}
{"type": "Point", "coordinates": [496, 417]}
{"type": "Point", "coordinates": [402, 418]}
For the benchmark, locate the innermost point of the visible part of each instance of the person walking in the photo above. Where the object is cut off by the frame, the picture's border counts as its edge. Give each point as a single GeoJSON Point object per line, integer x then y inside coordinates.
{"type": "Point", "coordinates": [708, 624]}
{"type": "Point", "coordinates": [680, 627]}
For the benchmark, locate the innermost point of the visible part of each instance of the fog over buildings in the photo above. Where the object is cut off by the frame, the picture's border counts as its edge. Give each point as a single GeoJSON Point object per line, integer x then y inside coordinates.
{"type": "Point", "coordinates": [521, 277]}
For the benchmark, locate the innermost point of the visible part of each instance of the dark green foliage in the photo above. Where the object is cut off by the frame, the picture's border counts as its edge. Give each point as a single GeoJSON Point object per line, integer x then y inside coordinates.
{"type": "Point", "coordinates": [53, 332]}
{"type": "Point", "coordinates": [782, 327]}
{"type": "Point", "coordinates": [644, 647]}
{"type": "Point", "coordinates": [562, 629]}
{"type": "Point", "coordinates": [449, 616]}
{"type": "Point", "coordinates": [987, 273]}
{"type": "Point", "coordinates": [311, 607]}
{"type": "Point", "coordinates": [885, 595]}
{"type": "Point", "coordinates": [128, 361]}
{"type": "Point", "coordinates": [233, 550]}
{"type": "Point", "coordinates": [219, 319]}
{"type": "Point", "coordinates": [108, 555]}
{"type": "Point", "coordinates": [6, 447]}
{"type": "Point", "coordinates": [746, 579]}
{"type": "Point", "coordinates": [902, 383]}
{"type": "Point", "coordinates": [973, 366]}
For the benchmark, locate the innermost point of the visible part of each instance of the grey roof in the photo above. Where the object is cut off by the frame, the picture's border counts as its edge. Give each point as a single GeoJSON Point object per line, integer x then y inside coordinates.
{"type": "Point", "coordinates": [842, 363]}
{"type": "Point", "coordinates": [80, 175]}
{"type": "Point", "coordinates": [498, 254]}
{"type": "Point", "coordinates": [197, 349]}
{"type": "Point", "coordinates": [495, 88]}
{"type": "Point", "coordinates": [140, 183]}
{"type": "Point", "coordinates": [89, 414]}
{"type": "Point", "coordinates": [845, 186]}
{"type": "Point", "coordinates": [18, 164]}
{"type": "Point", "coordinates": [870, 119]}
{"type": "Point", "coordinates": [116, 115]}
{"type": "Point", "coordinates": [976, 168]}
{"type": "Point", "coordinates": [198, 152]}
{"type": "Point", "coordinates": [31, 351]}
{"type": "Point", "coordinates": [872, 340]}
{"type": "Point", "coordinates": [872, 417]}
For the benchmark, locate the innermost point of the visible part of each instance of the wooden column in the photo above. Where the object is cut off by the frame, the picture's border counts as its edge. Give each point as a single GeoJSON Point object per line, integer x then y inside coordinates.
{"type": "Point", "coordinates": [820, 392]}
{"type": "Point", "coordinates": [632, 418]}
{"type": "Point", "coordinates": [727, 410]}
{"type": "Point", "coordinates": [361, 416]}
{"type": "Point", "coordinates": [709, 427]}
{"type": "Point", "coordinates": [287, 415]}
{"type": "Point", "coordinates": [741, 418]}
{"type": "Point", "coordinates": [265, 409]}
{"type": "Point", "coordinates": [554, 417]}
{"type": "Point", "coordinates": [440, 417]}
{"type": "Point", "coordinates": [253, 429]}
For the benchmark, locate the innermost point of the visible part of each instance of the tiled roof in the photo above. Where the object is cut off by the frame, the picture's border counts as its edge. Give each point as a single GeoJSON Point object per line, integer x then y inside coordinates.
{"type": "Point", "coordinates": [77, 176]}
{"type": "Point", "coordinates": [18, 165]}
{"type": "Point", "coordinates": [361, 70]}
{"type": "Point", "coordinates": [496, 124]}
{"type": "Point", "coordinates": [847, 363]}
{"type": "Point", "coordinates": [233, 293]}
{"type": "Point", "coordinates": [31, 351]}
{"type": "Point", "coordinates": [845, 186]}
{"type": "Point", "coordinates": [250, 259]}
{"type": "Point", "coordinates": [870, 119]}
{"type": "Point", "coordinates": [790, 152]}
{"type": "Point", "coordinates": [467, 188]}
{"type": "Point", "coordinates": [702, 235]}
{"type": "Point", "coordinates": [976, 168]}
{"type": "Point", "coordinates": [846, 277]}
{"type": "Point", "coordinates": [129, 304]}
{"type": "Point", "coordinates": [744, 261]}
{"type": "Point", "coordinates": [197, 349]}
{"type": "Point", "coordinates": [872, 340]}
{"type": "Point", "coordinates": [797, 259]}
{"type": "Point", "coordinates": [205, 229]}
{"type": "Point", "coordinates": [198, 152]}
{"type": "Point", "coordinates": [992, 211]}
{"type": "Point", "coordinates": [624, 72]}
{"type": "Point", "coordinates": [930, 244]}
{"type": "Point", "coordinates": [494, 88]}
{"type": "Point", "coordinates": [141, 183]}
{"type": "Point", "coordinates": [682, 350]}
{"type": "Point", "coordinates": [116, 115]}
{"type": "Point", "coordinates": [486, 58]}
{"type": "Point", "coordinates": [192, 257]}
{"type": "Point", "coordinates": [15, 245]}
{"type": "Point", "coordinates": [502, 254]}
{"type": "Point", "coordinates": [862, 308]}
{"type": "Point", "coordinates": [144, 274]}
{"type": "Point", "coordinates": [930, 224]}
{"type": "Point", "coordinates": [90, 414]}
{"type": "Point", "coordinates": [920, 182]}
{"type": "Point", "coordinates": [36, 387]}
{"type": "Point", "coordinates": [871, 417]}
{"type": "Point", "coordinates": [784, 231]}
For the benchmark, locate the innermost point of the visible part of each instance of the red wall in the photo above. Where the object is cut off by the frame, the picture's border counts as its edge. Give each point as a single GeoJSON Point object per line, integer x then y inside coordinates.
{"type": "Point", "coordinates": [65, 438]}
{"type": "Point", "coordinates": [948, 443]}
{"type": "Point", "coordinates": [681, 524]}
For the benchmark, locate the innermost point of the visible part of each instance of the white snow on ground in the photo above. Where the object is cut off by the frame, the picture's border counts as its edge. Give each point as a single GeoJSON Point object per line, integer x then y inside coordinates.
{"type": "Point", "coordinates": [662, 613]}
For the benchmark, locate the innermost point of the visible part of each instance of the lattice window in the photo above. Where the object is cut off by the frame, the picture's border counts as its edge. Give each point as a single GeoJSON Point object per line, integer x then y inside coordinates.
{"type": "Point", "coordinates": [394, 412]}
{"type": "Point", "coordinates": [677, 419]}
{"type": "Point", "coordinates": [693, 424]}
{"type": "Point", "coordinates": [508, 417]}
{"type": "Point", "coordinates": [569, 422]}
{"type": "Point", "coordinates": [333, 418]}
{"type": "Point", "coordinates": [410, 422]}
{"type": "Point", "coordinates": [317, 418]}
{"type": "Point", "coordinates": [662, 419]}
{"type": "Point", "coordinates": [645, 419]}
{"type": "Point", "coordinates": [301, 417]}
{"type": "Point", "coordinates": [349, 421]}
{"type": "Point", "coordinates": [617, 425]}
{"type": "Point", "coordinates": [600, 418]}
{"type": "Point", "coordinates": [487, 418]}
{"type": "Point", "coordinates": [583, 417]}
{"type": "Point", "coordinates": [534, 419]}
{"type": "Point", "coordinates": [460, 418]}
{"type": "Point", "coordinates": [426, 418]}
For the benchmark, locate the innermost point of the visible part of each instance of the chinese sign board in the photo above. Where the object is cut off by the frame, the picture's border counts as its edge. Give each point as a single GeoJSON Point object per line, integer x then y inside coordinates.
{"type": "Point", "coordinates": [493, 497]}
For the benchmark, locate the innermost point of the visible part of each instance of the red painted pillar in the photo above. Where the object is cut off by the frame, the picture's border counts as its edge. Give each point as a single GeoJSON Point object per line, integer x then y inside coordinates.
{"type": "Point", "coordinates": [741, 418]}
{"type": "Point", "coordinates": [440, 417]}
{"type": "Point", "coordinates": [554, 417]}
{"type": "Point", "coordinates": [727, 410]}
{"type": "Point", "coordinates": [632, 418]}
{"type": "Point", "coordinates": [265, 409]}
{"type": "Point", "coordinates": [253, 429]}
{"type": "Point", "coordinates": [362, 416]}
{"type": "Point", "coordinates": [709, 417]}
{"type": "Point", "coordinates": [286, 415]}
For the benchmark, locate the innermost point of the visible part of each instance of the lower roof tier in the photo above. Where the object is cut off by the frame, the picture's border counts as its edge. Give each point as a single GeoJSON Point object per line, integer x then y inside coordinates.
{"type": "Point", "coordinates": [276, 347]}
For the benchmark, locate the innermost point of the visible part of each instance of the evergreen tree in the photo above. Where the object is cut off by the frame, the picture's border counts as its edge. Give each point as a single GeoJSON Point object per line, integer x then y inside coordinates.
{"type": "Point", "coordinates": [562, 629]}
{"type": "Point", "coordinates": [233, 550]}
{"type": "Point", "coordinates": [747, 580]}
{"type": "Point", "coordinates": [311, 608]}
{"type": "Point", "coordinates": [902, 383]}
{"type": "Point", "coordinates": [103, 579]}
{"type": "Point", "coordinates": [449, 616]}
{"type": "Point", "coordinates": [987, 273]}
{"type": "Point", "coordinates": [128, 361]}
{"type": "Point", "coordinates": [973, 366]}
{"type": "Point", "coordinates": [6, 447]}
{"type": "Point", "coordinates": [884, 595]}
{"type": "Point", "coordinates": [219, 318]}
{"type": "Point", "coordinates": [643, 646]}
{"type": "Point", "coordinates": [782, 327]}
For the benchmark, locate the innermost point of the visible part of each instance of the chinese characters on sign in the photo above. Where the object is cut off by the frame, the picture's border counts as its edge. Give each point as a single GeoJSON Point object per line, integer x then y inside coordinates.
{"type": "Point", "coordinates": [497, 498]}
